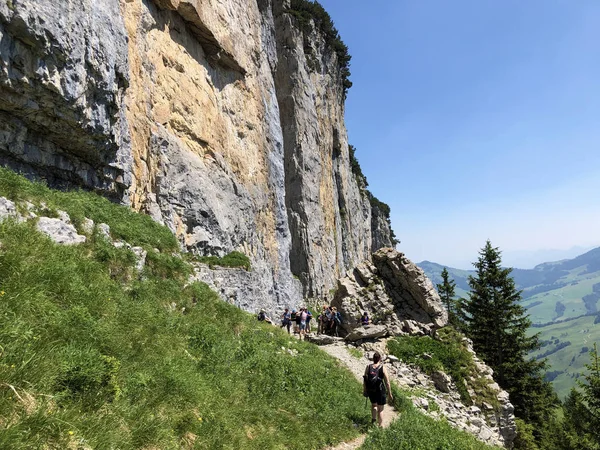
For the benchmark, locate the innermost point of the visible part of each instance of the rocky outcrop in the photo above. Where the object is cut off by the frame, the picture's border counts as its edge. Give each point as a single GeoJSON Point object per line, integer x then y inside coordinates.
{"type": "Point", "coordinates": [491, 420]}
{"type": "Point", "coordinates": [223, 119]}
{"type": "Point", "coordinates": [394, 292]}
{"type": "Point", "coordinates": [62, 114]}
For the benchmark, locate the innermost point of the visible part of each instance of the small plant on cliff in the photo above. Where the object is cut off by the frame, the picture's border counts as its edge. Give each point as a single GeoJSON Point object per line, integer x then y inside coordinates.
{"type": "Point", "coordinates": [384, 209]}
{"type": "Point", "coordinates": [306, 11]}
{"type": "Point", "coordinates": [360, 177]}
{"type": "Point", "coordinates": [233, 259]}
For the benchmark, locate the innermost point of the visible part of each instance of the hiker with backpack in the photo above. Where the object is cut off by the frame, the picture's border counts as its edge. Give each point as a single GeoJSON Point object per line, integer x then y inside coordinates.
{"type": "Point", "coordinates": [262, 317]}
{"type": "Point", "coordinates": [322, 321]}
{"type": "Point", "coordinates": [364, 320]}
{"type": "Point", "coordinates": [309, 317]}
{"type": "Point", "coordinates": [376, 386]}
{"type": "Point", "coordinates": [293, 318]}
{"type": "Point", "coordinates": [336, 320]}
{"type": "Point", "coordinates": [286, 320]}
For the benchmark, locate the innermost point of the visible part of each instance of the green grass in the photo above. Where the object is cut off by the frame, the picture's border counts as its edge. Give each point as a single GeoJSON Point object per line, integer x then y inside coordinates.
{"type": "Point", "coordinates": [570, 295]}
{"type": "Point", "coordinates": [416, 431]}
{"type": "Point", "coordinates": [136, 229]}
{"type": "Point", "coordinates": [93, 354]}
{"type": "Point", "coordinates": [448, 356]}
{"type": "Point", "coordinates": [233, 259]}
{"type": "Point", "coordinates": [356, 352]}
{"type": "Point", "coordinates": [571, 360]}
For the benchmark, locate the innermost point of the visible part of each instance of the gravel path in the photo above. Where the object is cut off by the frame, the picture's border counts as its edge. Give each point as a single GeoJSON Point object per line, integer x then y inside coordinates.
{"type": "Point", "coordinates": [357, 367]}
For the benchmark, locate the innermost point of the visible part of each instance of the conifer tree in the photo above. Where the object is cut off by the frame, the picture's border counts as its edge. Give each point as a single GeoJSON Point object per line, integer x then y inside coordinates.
{"type": "Point", "coordinates": [447, 292]}
{"type": "Point", "coordinates": [497, 324]}
{"type": "Point", "coordinates": [581, 424]}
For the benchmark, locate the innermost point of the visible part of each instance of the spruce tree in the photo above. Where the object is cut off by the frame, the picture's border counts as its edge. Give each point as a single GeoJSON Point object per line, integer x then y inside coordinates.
{"type": "Point", "coordinates": [447, 292]}
{"type": "Point", "coordinates": [497, 324]}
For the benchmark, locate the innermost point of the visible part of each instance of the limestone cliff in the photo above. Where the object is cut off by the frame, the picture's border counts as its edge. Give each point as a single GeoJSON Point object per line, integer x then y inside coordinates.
{"type": "Point", "coordinates": [223, 119]}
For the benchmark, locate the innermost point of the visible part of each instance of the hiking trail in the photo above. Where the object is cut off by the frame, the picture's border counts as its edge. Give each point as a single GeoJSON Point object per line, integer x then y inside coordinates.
{"type": "Point", "coordinates": [357, 367]}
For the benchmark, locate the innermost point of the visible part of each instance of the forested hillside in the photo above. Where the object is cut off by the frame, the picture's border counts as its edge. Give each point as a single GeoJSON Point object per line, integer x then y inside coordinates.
{"type": "Point", "coordinates": [562, 300]}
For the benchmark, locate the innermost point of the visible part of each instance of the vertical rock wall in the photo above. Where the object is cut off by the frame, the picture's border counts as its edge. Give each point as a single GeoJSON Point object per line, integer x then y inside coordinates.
{"type": "Point", "coordinates": [205, 115]}
{"type": "Point", "coordinates": [63, 77]}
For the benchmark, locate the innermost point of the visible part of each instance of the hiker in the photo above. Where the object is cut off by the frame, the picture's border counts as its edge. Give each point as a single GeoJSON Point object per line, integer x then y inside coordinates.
{"type": "Point", "coordinates": [376, 383]}
{"type": "Point", "coordinates": [336, 320]}
{"type": "Point", "coordinates": [298, 320]}
{"type": "Point", "coordinates": [303, 316]}
{"type": "Point", "coordinates": [364, 320]}
{"type": "Point", "coordinates": [262, 317]}
{"type": "Point", "coordinates": [309, 316]}
{"type": "Point", "coordinates": [322, 321]}
{"type": "Point", "coordinates": [286, 320]}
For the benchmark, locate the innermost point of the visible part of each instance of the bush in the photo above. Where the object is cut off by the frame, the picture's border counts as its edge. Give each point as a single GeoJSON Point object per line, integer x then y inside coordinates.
{"type": "Point", "coordinates": [448, 356]}
{"type": "Point", "coordinates": [306, 11]}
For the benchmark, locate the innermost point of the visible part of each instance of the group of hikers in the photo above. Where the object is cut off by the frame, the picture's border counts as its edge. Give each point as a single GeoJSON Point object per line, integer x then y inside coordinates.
{"type": "Point", "coordinates": [299, 321]}
{"type": "Point", "coordinates": [328, 322]}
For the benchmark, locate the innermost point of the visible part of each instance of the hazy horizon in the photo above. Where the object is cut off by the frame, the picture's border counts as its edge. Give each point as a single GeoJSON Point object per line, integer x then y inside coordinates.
{"type": "Point", "coordinates": [523, 259]}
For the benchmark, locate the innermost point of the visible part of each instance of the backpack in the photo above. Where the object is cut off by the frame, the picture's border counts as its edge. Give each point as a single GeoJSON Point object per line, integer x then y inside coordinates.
{"type": "Point", "coordinates": [338, 318]}
{"type": "Point", "coordinates": [374, 378]}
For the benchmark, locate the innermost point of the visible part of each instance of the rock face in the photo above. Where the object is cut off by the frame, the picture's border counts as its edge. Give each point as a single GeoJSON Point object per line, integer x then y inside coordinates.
{"type": "Point", "coordinates": [223, 119]}
{"type": "Point", "coordinates": [394, 292]}
{"type": "Point", "coordinates": [493, 424]}
{"type": "Point", "coordinates": [62, 114]}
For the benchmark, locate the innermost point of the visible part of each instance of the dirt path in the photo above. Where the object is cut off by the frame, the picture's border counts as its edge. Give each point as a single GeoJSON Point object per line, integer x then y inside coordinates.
{"type": "Point", "coordinates": [357, 367]}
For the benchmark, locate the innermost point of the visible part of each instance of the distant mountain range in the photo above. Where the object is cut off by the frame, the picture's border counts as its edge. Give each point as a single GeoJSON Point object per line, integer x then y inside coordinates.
{"type": "Point", "coordinates": [561, 298]}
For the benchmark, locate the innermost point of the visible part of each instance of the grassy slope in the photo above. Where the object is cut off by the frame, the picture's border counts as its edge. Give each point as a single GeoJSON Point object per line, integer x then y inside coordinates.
{"type": "Point", "coordinates": [94, 356]}
{"type": "Point", "coordinates": [571, 360]}
{"type": "Point", "coordinates": [91, 354]}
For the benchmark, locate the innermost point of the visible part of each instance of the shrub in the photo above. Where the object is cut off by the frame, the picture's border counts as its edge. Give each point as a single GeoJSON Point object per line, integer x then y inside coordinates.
{"type": "Point", "coordinates": [233, 259]}
{"type": "Point", "coordinates": [306, 11]}
{"type": "Point", "coordinates": [449, 357]}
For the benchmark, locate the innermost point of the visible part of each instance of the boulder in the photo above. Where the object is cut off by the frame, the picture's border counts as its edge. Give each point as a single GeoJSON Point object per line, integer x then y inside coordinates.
{"type": "Point", "coordinates": [394, 292]}
{"type": "Point", "coordinates": [367, 332]}
{"type": "Point", "coordinates": [104, 230]}
{"type": "Point", "coordinates": [60, 231]}
{"type": "Point", "coordinates": [441, 381]}
{"type": "Point", "coordinates": [323, 339]}
{"type": "Point", "coordinates": [7, 209]}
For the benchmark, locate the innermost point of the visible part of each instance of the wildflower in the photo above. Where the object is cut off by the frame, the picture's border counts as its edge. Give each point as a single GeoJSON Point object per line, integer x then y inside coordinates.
{"type": "Point", "coordinates": [199, 419]}
{"type": "Point", "coordinates": [2, 293]}
{"type": "Point", "coordinates": [71, 433]}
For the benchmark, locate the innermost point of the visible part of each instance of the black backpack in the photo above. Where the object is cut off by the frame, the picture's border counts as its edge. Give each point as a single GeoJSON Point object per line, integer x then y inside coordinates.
{"type": "Point", "coordinates": [374, 378]}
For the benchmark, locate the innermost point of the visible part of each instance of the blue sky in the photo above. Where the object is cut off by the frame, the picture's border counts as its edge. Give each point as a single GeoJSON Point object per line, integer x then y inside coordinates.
{"type": "Point", "coordinates": [478, 119]}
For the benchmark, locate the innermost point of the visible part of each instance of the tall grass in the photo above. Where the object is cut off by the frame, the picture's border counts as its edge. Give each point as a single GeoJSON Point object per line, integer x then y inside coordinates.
{"type": "Point", "coordinates": [137, 229]}
{"type": "Point", "coordinates": [95, 355]}
{"type": "Point", "coordinates": [414, 430]}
